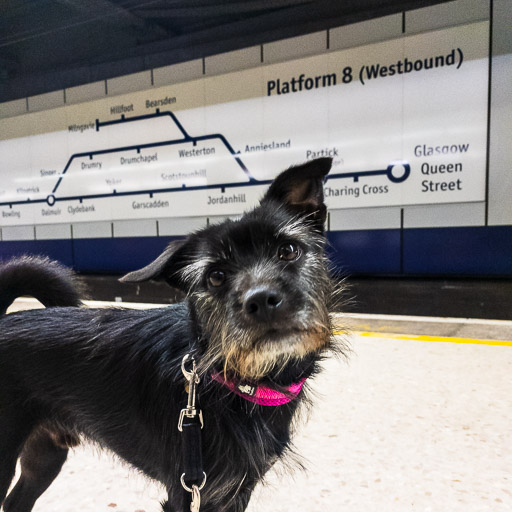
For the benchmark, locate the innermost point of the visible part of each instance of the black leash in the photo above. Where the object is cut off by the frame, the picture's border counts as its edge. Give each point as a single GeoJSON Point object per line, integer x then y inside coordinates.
{"type": "Point", "coordinates": [190, 424]}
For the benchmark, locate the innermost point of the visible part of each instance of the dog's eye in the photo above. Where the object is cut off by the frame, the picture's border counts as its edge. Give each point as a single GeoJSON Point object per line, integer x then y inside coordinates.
{"type": "Point", "coordinates": [289, 252]}
{"type": "Point", "coordinates": [216, 278]}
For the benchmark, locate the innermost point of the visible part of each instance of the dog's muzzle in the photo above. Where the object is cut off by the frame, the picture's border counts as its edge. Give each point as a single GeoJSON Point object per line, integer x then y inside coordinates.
{"type": "Point", "coordinates": [263, 304]}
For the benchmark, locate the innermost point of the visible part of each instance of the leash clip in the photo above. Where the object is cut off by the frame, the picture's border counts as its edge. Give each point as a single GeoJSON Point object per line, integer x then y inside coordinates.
{"type": "Point", "coordinates": [191, 411]}
{"type": "Point", "coordinates": [195, 504]}
{"type": "Point", "coordinates": [190, 424]}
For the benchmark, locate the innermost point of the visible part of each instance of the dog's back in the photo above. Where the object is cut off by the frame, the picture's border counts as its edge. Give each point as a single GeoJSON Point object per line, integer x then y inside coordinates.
{"type": "Point", "coordinates": [46, 280]}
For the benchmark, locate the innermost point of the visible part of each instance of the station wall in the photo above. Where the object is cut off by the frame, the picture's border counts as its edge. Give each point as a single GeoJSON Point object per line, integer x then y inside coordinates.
{"type": "Point", "coordinates": [402, 237]}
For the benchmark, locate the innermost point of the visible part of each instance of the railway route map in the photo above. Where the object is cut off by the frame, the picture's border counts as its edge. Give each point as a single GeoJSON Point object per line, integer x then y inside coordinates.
{"type": "Point", "coordinates": [404, 120]}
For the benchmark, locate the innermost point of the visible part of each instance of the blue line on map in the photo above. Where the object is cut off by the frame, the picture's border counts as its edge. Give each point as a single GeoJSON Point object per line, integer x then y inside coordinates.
{"type": "Point", "coordinates": [52, 198]}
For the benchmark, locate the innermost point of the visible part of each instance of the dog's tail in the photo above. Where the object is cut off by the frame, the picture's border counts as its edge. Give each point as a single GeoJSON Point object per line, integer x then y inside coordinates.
{"type": "Point", "coordinates": [49, 282]}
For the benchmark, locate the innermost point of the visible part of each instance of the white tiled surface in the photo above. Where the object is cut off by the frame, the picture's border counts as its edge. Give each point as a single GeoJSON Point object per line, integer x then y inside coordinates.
{"type": "Point", "coordinates": [13, 108]}
{"type": "Point", "coordinates": [233, 61]}
{"type": "Point", "coordinates": [129, 83]}
{"type": "Point", "coordinates": [92, 230]}
{"type": "Point", "coordinates": [444, 215]}
{"type": "Point", "coordinates": [365, 218]}
{"type": "Point", "coordinates": [87, 92]}
{"type": "Point", "coordinates": [365, 32]}
{"type": "Point", "coordinates": [46, 101]}
{"type": "Point", "coordinates": [446, 15]}
{"type": "Point", "coordinates": [127, 228]}
{"type": "Point", "coordinates": [436, 16]}
{"type": "Point", "coordinates": [294, 47]}
{"type": "Point", "coordinates": [176, 73]}
{"type": "Point", "coordinates": [178, 226]}
{"type": "Point", "coordinates": [500, 157]}
{"type": "Point", "coordinates": [18, 233]}
{"type": "Point", "coordinates": [53, 232]}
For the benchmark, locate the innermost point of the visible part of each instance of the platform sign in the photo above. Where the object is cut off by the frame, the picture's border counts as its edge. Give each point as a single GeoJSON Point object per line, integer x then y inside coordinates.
{"type": "Point", "coordinates": [404, 120]}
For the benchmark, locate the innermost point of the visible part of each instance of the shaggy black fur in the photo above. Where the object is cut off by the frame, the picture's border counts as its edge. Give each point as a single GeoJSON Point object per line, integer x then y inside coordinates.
{"type": "Point", "coordinates": [52, 284]}
{"type": "Point", "coordinates": [258, 292]}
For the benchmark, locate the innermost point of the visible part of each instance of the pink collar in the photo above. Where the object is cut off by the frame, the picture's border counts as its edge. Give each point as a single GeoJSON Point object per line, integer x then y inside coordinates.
{"type": "Point", "coordinates": [261, 395]}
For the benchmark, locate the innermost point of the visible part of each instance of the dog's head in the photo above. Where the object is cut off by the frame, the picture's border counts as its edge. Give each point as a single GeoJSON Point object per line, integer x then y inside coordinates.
{"type": "Point", "coordinates": [259, 286]}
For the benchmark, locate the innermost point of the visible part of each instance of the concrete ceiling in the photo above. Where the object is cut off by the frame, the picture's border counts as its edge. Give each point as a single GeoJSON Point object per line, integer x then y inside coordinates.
{"type": "Point", "coordinates": [52, 44]}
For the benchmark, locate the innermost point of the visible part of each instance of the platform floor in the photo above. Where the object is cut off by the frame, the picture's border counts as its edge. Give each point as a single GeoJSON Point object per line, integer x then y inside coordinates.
{"type": "Point", "coordinates": [417, 419]}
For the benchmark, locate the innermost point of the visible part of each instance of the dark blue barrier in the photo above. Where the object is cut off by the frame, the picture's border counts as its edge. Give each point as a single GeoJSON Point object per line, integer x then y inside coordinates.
{"type": "Point", "coordinates": [117, 255]}
{"type": "Point", "coordinates": [365, 251]}
{"type": "Point", "coordinates": [470, 251]}
{"type": "Point", "coordinates": [60, 250]}
{"type": "Point", "coordinates": [463, 251]}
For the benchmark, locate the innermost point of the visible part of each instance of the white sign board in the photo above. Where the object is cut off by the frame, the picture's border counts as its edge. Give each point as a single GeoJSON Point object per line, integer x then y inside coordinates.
{"type": "Point", "coordinates": [405, 121]}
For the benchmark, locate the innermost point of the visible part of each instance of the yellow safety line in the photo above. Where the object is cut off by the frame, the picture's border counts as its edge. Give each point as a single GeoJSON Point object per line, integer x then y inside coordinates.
{"type": "Point", "coordinates": [436, 339]}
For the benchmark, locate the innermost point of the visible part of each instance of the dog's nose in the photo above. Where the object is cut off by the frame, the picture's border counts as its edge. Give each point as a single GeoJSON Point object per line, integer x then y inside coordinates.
{"type": "Point", "coordinates": [262, 303]}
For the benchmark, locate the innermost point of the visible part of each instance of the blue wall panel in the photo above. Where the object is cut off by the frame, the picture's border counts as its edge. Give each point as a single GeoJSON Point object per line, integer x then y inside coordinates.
{"type": "Point", "coordinates": [470, 251]}
{"type": "Point", "coordinates": [364, 251]}
{"type": "Point", "coordinates": [462, 251]}
{"type": "Point", "coordinates": [117, 255]}
{"type": "Point", "coordinates": [61, 250]}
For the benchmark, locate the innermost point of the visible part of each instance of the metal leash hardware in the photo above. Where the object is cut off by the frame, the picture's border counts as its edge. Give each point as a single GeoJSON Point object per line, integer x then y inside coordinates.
{"type": "Point", "coordinates": [195, 504]}
{"type": "Point", "coordinates": [190, 424]}
{"type": "Point", "coordinates": [191, 411]}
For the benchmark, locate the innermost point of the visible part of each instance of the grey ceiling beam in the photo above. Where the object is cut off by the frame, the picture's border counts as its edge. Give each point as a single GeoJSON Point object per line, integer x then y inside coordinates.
{"type": "Point", "coordinates": [218, 9]}
{"type": "Point", "coordinates": [260, 29]}
{"type": "Point", "coordinates": [271, 26]}
{"type": "Point", "coordinates": [105, 8]}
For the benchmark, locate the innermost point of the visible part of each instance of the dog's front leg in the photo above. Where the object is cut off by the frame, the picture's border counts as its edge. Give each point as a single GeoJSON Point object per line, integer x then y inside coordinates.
{"type": "Point", "coordinates": [243, 497]}
{"type": "Point", "coordinates": [15, 426]}
{"type": "Point", "coordinates": [177, 501]}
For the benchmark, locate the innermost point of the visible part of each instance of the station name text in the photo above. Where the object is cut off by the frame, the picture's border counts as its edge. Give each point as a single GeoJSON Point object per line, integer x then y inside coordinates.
{"type": "Point", "coordinates": [365, 73]}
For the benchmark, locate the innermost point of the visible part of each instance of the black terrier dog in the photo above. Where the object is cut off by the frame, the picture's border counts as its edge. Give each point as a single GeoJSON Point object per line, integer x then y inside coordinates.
{"type": "Point", "coordinates": [255, 320]}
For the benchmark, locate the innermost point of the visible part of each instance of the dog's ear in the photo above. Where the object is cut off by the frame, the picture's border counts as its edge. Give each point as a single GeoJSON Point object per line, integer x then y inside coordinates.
{"type": "Point", "coordinates": [301, 189]}
{"type": "Point", "coordinates": [165, 268]}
